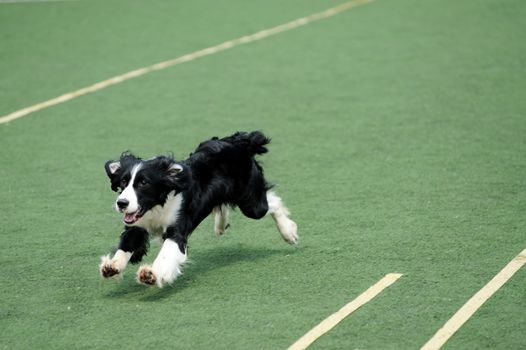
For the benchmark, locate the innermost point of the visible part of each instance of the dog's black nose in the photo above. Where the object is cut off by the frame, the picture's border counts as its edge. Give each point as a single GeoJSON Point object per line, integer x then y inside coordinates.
{"type": "Point", "coordinates": [122, 203]}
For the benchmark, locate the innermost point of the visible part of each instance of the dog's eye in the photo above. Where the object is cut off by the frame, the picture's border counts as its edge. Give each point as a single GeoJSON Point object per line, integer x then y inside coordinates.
{"type": "Point", "coordinates": [143, 182]}
{"type": "Point", "coordinates": [124, 183]}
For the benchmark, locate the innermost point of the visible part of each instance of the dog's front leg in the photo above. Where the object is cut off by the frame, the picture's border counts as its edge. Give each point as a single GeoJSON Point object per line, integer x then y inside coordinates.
{"type": "Point", "coordinates": [167, 266]}
{"type": "Point", "coordinates": [132, 247]}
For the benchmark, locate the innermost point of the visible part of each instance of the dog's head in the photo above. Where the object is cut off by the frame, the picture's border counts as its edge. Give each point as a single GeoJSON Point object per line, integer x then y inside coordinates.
{"type": "Point", "coordinates": [143, 184]}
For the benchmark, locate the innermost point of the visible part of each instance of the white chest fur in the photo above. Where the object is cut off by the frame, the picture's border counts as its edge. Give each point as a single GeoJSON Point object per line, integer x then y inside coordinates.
{"type": "Point", "coordinates": [157, 219]}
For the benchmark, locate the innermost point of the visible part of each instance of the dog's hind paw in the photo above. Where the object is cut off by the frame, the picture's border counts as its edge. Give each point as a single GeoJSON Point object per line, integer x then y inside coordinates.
{"type": "Point", "coordinates": [289, 231]}
{"type": "Point", "coordinates": [221, 230]}
{"type": "Point", "coordinates": [108, 269]}
{"type": "Point", "coordinates": [221, 214]}
{"type": "Point", "coordinates": [145, 275]}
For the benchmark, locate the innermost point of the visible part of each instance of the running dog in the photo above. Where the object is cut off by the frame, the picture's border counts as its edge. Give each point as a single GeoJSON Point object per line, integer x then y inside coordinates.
{"type": "Point", "coordinates": [162, 196]}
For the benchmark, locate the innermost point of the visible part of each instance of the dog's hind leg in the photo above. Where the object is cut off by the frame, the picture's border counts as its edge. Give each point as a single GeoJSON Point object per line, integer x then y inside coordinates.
{"type": "Point", "coordinates": [221, 214]}
{"type": "Point", "coordinates": [280, 214]}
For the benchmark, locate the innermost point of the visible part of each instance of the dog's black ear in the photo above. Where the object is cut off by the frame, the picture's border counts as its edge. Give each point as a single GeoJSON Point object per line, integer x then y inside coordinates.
{"type": "Point", "coordinates": [112, 168]}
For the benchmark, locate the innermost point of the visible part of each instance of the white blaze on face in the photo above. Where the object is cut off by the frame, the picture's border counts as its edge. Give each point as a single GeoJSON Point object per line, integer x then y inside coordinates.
{"type": "Point", "coordinates": [129, 193]}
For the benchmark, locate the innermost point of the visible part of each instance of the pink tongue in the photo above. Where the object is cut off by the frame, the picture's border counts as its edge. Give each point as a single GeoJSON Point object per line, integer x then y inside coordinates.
{"type": "Point", "coordinates": [129, 217]}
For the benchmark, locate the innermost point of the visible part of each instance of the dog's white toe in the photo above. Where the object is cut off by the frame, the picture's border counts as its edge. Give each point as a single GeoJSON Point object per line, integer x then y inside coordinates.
{"type": "Point", "coordinates": [108, 268]}
{"type": "Point", "coordinates": [288, 230]}
{"type": "Point", "coordinates": [145, 275]}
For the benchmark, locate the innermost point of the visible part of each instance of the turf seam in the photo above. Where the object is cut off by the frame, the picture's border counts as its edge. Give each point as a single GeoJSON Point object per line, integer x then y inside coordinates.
{"type": "Point", "coordinates": [32, 1]}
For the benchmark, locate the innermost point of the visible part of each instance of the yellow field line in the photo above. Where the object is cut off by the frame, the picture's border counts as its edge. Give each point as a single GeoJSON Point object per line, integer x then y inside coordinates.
{"type": "Point", "coordinates": [186, 58]}
{"type": "Point", "coordinates": [473, 304]}
{"type": "Point", "coordinates": [331, 321]}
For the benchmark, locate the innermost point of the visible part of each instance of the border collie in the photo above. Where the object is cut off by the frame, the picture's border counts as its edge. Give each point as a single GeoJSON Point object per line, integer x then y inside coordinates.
{"type": "Point", "coordinates": [162, 196]}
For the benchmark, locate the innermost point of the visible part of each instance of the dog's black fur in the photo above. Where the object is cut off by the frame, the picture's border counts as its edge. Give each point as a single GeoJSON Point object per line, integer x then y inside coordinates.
{"type": "Point", "coordinates": [219, 172]}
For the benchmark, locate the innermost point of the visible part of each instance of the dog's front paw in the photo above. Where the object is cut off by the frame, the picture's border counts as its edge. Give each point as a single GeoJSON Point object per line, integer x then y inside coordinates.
{"type": "Point", "coordinates": [108, 268]}
{"type": "Point", "coordinates": [145, 275]}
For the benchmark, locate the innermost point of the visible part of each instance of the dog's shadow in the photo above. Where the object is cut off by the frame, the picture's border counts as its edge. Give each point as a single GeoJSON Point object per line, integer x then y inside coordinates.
{"type": "Point", "coordinates": [201, 263]}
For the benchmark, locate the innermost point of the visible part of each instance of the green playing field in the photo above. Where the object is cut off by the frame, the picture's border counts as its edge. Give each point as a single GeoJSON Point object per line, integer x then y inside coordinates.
{"type": "Point", "coordinates": [398, 142]}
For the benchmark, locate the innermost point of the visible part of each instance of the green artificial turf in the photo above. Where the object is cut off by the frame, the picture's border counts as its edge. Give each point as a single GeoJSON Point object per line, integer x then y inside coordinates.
{"type": "Point", "coordinates": [398, 134]}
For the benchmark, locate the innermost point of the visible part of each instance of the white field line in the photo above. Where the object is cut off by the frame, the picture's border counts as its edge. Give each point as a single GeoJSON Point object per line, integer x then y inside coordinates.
{"type": "Point", "coordinates": [186, 58]}
{"type": "Point", "coordinates": [473, 304]}
{"type": "Point", "coordinates": [331, 321]}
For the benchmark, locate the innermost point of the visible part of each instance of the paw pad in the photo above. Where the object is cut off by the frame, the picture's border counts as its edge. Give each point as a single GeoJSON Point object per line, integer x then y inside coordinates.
{"type": "Point", "coordinates": [108, 271]}
{"type": "Point", "coordinates": [146, 276]}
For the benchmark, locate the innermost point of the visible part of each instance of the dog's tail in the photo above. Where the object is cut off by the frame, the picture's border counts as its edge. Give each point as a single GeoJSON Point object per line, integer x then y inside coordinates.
{"type": "Point", "coordinates": [254, 142]}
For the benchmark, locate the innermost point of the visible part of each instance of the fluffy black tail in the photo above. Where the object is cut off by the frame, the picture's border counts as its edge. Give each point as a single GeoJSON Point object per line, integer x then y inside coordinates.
{"type": "Point", "coordinates": [254, 142]}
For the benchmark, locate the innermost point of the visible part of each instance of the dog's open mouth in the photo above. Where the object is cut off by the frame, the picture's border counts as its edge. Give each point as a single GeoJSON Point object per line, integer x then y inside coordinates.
{"type": "Point", "coordinates": [131, 218]}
